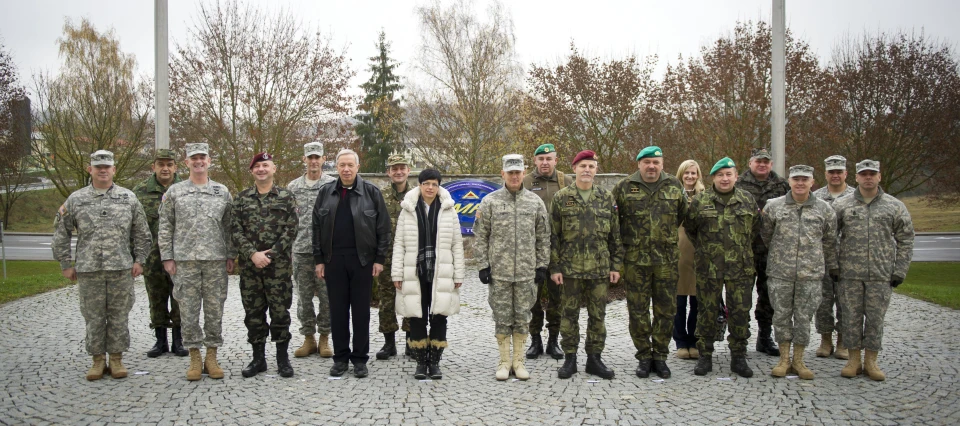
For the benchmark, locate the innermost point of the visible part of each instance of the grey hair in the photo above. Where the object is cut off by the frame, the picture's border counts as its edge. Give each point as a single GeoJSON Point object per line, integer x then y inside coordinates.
{"type": "Point", "coordinates": [346, 151]}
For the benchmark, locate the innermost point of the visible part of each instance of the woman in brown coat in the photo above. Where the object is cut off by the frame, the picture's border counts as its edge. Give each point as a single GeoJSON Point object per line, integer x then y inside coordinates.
{"type": "Point", "coordinates": [684, 325]}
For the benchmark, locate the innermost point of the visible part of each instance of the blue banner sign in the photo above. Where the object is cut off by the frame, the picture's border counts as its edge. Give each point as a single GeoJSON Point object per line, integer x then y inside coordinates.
{"type": "Point", "coordinates": [467, 194]}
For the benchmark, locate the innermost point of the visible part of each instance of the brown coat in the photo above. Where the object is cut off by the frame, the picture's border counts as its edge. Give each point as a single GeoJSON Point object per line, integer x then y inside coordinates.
{"type": "Point", "coordinates": [687, 283]}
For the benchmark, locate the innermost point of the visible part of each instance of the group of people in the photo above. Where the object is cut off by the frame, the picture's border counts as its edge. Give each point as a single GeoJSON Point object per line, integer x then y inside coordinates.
{"type": "Point", "coordinates": [546, 243]}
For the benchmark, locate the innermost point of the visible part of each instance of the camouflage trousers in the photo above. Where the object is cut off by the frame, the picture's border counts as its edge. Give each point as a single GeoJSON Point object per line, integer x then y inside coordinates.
{"type": "Point", "coordinates": [864, 305]}
{"type": "Point", "coordinates": [164, 309]}
{"type": "Point", "coordinates": [659, 284]}
{"type": "Point", "coordinates": [764, 311]}
{"type": "Point", "coordinates": [308, 288]}
{"type": "Point", "coordinates": [739, 301]}
{"type": "Point", "coordinates": [262, 290]}
{"type": "Point", "coordinates": [387, 296]}
{"type": "Point", "coordinates": [511, 302]}
{"type": "Point", "coordinates": [106, 298]}
{"type": "Point", "coordinates": [201, 283]}
{"type": "Point", "coordinates": [594, 294]}
{"type": "Point", "coordinates": [828, 299]}
{"type": "Point", "coordinates": [794, 303]}
{"type": "Point", "coordinates": [546, 304]}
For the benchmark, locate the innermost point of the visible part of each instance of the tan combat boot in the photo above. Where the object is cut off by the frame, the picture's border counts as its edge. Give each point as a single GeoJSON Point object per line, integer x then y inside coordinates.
{"type": "Point", "coordinates": [117, 370]}
{"type": "Point", "coordinates": [853, 367]}
{"type": "Point", "coordinates": [871, 368]}
{"type": "Point", "coordinates": [96, 371]}
{"type": "Point", "coordinates": [694, 353]}
{"type": "Point", "coordinates": [503, 369]}
{"type": "Point", "coordinates": [309, 347]}
{"type": "Point", "coordinates": [210, 362]}
{"type": "Point", "coordinates": [798, 364]}
{"type": "Point", "coordinates": [324, 346]}
{"type": "Point", "coordinates": [842, 352]}
{"type": "Point", "coordinates": [195, 370]}
{"type": "Point", "coordinates": [519, 370]}
{"type": "Point", "coordinates": [826, 345]}
{"type": "Point", "coordinates": [784, 365]}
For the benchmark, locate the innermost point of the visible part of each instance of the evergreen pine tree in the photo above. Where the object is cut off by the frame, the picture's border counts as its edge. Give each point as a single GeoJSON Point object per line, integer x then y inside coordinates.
{"type": "Point", "coordinates": [380, 125]}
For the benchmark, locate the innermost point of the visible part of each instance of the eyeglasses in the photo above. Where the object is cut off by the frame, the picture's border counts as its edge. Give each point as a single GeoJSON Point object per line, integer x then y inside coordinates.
{"type": "Point", "coordinates": [430, 184]}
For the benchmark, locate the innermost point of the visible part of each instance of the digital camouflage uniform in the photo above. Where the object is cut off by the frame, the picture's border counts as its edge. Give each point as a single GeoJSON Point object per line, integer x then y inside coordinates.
{"type": "Point", "coordinates": [164, 309]}
{"type": "Point", "coordinates": [547, 302]}
{"type": "Point", "coordinates": [386, 292]}
{"type": "Point", "coordinates": [803, 247]}
{"type": "Point", "coordinates": [194, 231]}
{"type": "Point", "coordinates": [722, 233]}
{"type": "Point", "coordinates": [825, 322]}
{"type": "Point", "coordinates": [308, 285]}
{"type": "Point", "coordinates": [585, 248]}
{"type": "Point", "coordinates": [876, 245]}
{"type": "Point", "coordinates": [775, 186]}
{"type": "Point", "coordinates": [112, 235]}
{"type": "Point", "coordinates": [649, 220]}
{"type": "Point", "coordinates": [512, 238]}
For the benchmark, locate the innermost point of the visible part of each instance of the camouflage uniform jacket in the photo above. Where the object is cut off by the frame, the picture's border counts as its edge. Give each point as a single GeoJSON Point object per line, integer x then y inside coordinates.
{"type": "Point", "coordinates": [824, 194]}
{"type": "Point", "coordinates": [876, 239]}
{"type": "Point", "coordinates": [722, 234]}
{"type": "Point", "coordinates": [649, 221]}
{"type": "Point", "coordinates": [512, 237]}
{"type": "Point", "coordinates": [267, 222]}
{"type": "Point", "coordinates": [392, 198]}
{"type": "Point", "coordinates": [802, 238]}
{"type": "Point", "coordinates": [195, 222]}
{"type": "Point", "coordinates": [762, 191]}
{"type": "Point", "coordinates": [109, 227]}
{"type": "Point", "coordinates": [149, 193]}
{"type": "Point", "coordinates": [546, 186]}
{"type": "Point", "coordinates": [306, 197]}
{"type": "Point", "coordinates": [584, 235]}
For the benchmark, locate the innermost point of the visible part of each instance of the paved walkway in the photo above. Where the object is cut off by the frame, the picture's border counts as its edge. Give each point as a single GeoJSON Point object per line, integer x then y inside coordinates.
{"type": "Point", "coordinates": [42, 367]}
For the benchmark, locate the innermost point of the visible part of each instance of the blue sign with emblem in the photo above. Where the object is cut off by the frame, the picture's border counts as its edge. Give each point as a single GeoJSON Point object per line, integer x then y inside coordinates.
{"type": "Point", "coordinates": [467, 194]}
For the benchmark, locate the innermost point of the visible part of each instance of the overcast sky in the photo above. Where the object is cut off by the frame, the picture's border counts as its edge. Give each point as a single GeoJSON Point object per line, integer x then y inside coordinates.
{"type": "Point", "coordinates": [544, 29]}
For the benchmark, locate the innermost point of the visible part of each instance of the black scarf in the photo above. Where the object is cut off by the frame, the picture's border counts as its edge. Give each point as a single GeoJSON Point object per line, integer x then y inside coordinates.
{"type": "Point", "coordinates": [427, 238]}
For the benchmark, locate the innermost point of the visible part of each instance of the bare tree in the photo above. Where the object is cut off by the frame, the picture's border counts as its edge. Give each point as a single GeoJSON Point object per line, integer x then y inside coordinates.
{"type": "Point", "coordinates": [14, 134]}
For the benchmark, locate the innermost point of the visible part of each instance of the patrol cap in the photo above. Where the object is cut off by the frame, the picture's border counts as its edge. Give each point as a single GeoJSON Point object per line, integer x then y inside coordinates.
{"type": "Point", "coordinates": [313, 148]}
{"type": "Point", "coordinates": [650, 152]}
{"type": "Point", "coordinates": [757, 153]}
{"type": "Point", "coordinates": [164, 154]}
{"type": "Point", "coordinates": [512, 162]}
{"type": "Point", "coordinates": [835, 162]}
{"type": "Point", "coordinates": [396, 159]}
{"type": "Point", "coordinates": [584, 155]}
{"type": "Point", "coordinates": [800, 170]}
{"type": "Point", "coordinates": [197, 148]}
{"type": "Point", "coordinates": [868, 165]}
{"type": "Point", "coordinates": [101, 158]}
{"type": "Point", "coordinates": [544, 149]}
{"type": "Point", "coordinates": [724, 163]}
{"type": "Point", "coordinates": [263, 156]}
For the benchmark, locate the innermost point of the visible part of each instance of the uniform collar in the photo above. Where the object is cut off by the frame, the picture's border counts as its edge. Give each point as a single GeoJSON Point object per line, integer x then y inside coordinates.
{"type": "Point", "coordinates": [552, 177]}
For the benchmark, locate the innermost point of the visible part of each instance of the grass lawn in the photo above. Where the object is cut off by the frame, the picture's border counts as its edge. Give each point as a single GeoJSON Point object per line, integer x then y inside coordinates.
{"type": "Point", "coordinates": [931, 219]}
{"type": "Point", "coordinates": [937, 282]}
{"type": "Point", "coordinates": [28, 277]}
{"type": "Point", "coordinates": [35, 211]}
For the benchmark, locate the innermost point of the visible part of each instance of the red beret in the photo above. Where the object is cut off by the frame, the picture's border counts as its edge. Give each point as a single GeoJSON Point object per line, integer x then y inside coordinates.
{"type": "Point", "coordinates": [584, 155]}
{"type": "Point", "coordinates": [263, 156]}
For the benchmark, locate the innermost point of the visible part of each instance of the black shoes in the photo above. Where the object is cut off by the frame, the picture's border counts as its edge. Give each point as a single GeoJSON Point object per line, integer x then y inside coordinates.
{"type": "Point", "coordinates": [738, 364]}
{"type": "Point", "coordinates": [259, 363]}
{"type": "Point", "coordinates": [177, 345]}
{"type": "Point", "coordinates": [595, 366]}
{"type": "Point", "coordinates": [360, 371]}
{"type": "Point", "coordinates": [339, 368]}
{"type": "Point", "coordinates": [660, 367]}
{"type": "Point", "coordinates": [389, 348]}
{"type": "Point", "coordinates": [283, 360]}
{"type": "Point", "coordinates": [160, 347]}
{"type": "Point", "coordinates": [643, 368]}
{"type": "Point", "coordinates": [765, 343]}
{"type": "Point", "coordinates": [433, 366]}
{"type": "Point", "coordinates": [553, 348]}
{"type": "Point", "coordinates": [536, 347]}
{"type": "Point", "coordinates": [569, 366]}
{"type": "Point", "coordinates": [704, 365]}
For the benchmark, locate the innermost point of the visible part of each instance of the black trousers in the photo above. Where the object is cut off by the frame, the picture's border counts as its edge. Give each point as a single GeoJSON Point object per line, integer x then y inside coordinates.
{"type": "Point", "coordinates": [438, 323]}
{"type": "Point", "coordinates": [684, 325]}
{"type": "Point", "coordinates": [349, 286]}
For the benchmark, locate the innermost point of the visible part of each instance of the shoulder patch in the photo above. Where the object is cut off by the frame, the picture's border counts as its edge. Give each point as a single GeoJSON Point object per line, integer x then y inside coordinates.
{"type": "Point", "coordinates": [62, 210]}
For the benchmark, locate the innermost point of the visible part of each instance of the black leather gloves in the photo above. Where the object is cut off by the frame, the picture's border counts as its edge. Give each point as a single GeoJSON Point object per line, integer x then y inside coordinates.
{"type": "Point", "coordinates": [485, 275]}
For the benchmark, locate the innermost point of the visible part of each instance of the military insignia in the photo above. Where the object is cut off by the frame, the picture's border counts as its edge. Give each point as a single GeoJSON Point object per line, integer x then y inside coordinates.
{"type": "Point", "coordinates": [477, 216]}
{"type": "Point", "coordinates": [470, 195]}
{"type": "Point", "coordinates": [216, 190]}
{"type": "Point", "coordinates": [658, 153]}
{"type": "Point", "coordinates": [547, 149]}
{"type": "Point", "coordinates": [536, 189]}
{"type": "Point", "coordinates": [570, 202]}
{"type": "Point", "coordinates": [709, 207]}
{"type": "Point", "coordinates": [103, 213]}
{"type": "Point", "coordinates": [634, 190]}
{"type": "Point", "coordinates": [62, 210]}
{"type": "Point", "coordinates": [163, 197]}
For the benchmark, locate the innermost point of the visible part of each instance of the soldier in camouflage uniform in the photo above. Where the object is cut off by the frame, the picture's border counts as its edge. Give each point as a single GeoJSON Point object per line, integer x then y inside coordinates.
{"type": "Point", "coordinates": [158, 284]}
{"type": "Point", "coordinates": [764, 184]}
{"type": "Point", "coordinates": [801, 232]}
{"type": "Point", "coordinates": [113, 241]}
{"type": "Point", "coordinates": [545, 180]}
{"type": "Point", "coordinates": [512, 250]}
{"type": "Point", "coordinates": [876, 246]}
{"type": "Point", "coordinates": [398, 169]}
{"type": "Point", "coordinates": [651, 205]}
{"type": "Point", "coordinates": [837, 187]}
{"type": "Point", "coordinates": [197, 250]}
{"type": "Point", "coordinates": [305, 189]}
{"type": "Point", "coordinates": [585, 257]}
{"type": "Point", "coordinates": [264, 227]}
{"type": "Point", "coordinates": [722, 223]}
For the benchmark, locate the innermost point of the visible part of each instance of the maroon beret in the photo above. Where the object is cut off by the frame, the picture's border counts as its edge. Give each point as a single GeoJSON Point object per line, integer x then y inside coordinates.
{"type": "Point", "coordinates": [584, 155]}
{"type": "Point", "coordinates": [263, 156]}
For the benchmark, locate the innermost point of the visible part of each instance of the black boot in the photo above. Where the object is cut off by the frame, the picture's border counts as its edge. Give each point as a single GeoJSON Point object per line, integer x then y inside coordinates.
{"type": "Point", "coordinates": [553, 348]}
{"type": "Point", "coordinates": [643, 368]}
{"type": "Point", "coordinates": [389, 348]}
{"type": "Point", "coordinates": [660, 367]}
{"type": "Point", "coordinates": [283, 360]}
{"type": "Point", "coordinates": [765, 343]}
{"type": "Point", "coordinates": [536, 346]}
{"type": "Point", "coordinates": [406, 350]}
{"type": "Point", "coordinates": [433, 365]}
{"type": "Point", "coordinates": [422, 357]}
{"type": "Point", "coordinates": [161, 346]}
{"type": "Point", "coordinates": [569, 366]}
{"type": "Point", "coordinates": [738, 364]}
{"type": "Point", "coordinates": [177, 345]}
{"type": "Point", "coordinates": [259, 363]}
{"type": "Point", "coordinates": [704, 365]}
{"type": "Point", "coordinates": [595, 366]}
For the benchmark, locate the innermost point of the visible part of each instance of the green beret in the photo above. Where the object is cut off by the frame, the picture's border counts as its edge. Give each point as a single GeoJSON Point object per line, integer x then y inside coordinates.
{"type": "Point", "coordinates": [724, 163]}
{"type": "Point", "coordinates": [544, 149]}
{"type": "Point", "coordinates": [650, 152]}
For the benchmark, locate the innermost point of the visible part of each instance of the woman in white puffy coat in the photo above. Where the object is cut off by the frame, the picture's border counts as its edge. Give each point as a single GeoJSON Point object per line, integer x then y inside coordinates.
{"type": "Point", "coordinates": [428, 269]}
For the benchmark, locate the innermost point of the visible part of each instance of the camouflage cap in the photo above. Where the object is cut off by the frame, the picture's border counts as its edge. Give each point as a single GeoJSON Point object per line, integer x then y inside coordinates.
{"type": "Point", "coordinates": [101, 158]}
{"type": "Point", "coordinates": [197, 148]}
{"type": "Point", "coordinates": [761, 153]}
{"type": "Point", "coordinates": [800, 170]}
{"type": "Point", "coordinates": [313, 148]}
{"type": "Point", "coordinates": [868, 165]}
{"type": "Point", "coordinates": [544, 149]}
{"type": "Point", "coordinates": [396, 159]}
{"type": "Point", "coordinates": [513, 162]}
{"type": "Point", "coordinates": [724, 163]}
{"type": "Point", "coordinates": [835, 162]}
{"type": "Point", "coordinates": [650, 152]}
{"type": "Point", "coordinates": [164, 154]}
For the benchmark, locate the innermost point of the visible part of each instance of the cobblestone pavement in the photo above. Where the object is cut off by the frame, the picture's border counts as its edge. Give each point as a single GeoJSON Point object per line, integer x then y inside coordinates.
{"type": "Point", "coordinates": [42, 367]}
